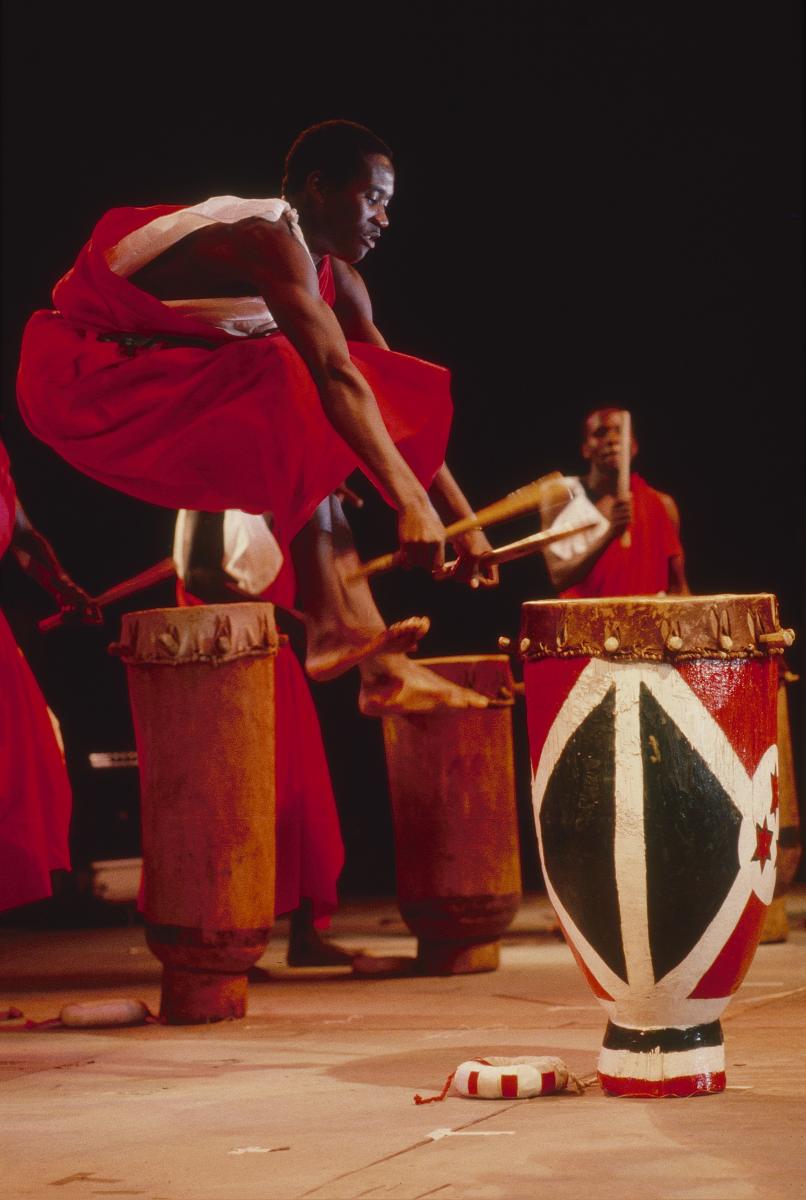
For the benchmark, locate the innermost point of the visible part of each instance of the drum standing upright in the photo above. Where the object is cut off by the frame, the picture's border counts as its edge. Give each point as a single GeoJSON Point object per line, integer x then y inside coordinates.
{"type": "Point", "coordinates": [201, 686]}
{"type": "Point", "coordinates": [452, 784]}
{"type": "Point", "coordinates": [652, 730]}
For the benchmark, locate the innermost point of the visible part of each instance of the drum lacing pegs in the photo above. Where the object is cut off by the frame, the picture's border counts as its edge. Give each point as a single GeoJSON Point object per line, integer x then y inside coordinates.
{"type": "Point", "coordinates": [725, 639]}
{"type": "Point", "coordinates": [612, 640]}
{"type": "Point", "coordinates": [779, 639]}
{"type": "Point", "coordinates": [169, 641]}
{"type": "Point", "coordinates": [672, 636]}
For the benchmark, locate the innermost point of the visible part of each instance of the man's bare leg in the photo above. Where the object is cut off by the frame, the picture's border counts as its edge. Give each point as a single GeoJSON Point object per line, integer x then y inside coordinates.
{"type": "Point", "coordinates": [345, 629]}
{"type": "Point", "coordinates": [342, 624]}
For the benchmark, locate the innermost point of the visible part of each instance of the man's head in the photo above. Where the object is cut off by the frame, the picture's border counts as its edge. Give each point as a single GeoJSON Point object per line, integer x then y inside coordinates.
{"type": "Point", "coordinates": [340, 177]}
{"type": "Point", "coordinates": [601, 439]}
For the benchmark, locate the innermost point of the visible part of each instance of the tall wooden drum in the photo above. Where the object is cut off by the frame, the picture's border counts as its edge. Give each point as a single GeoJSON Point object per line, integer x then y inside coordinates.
{"type": "Point", "coordinates": [452, 785]}
{"type": "Point", "coordinates": [201, 686]}
{"type": "Point", "coordinates": [652, 730]}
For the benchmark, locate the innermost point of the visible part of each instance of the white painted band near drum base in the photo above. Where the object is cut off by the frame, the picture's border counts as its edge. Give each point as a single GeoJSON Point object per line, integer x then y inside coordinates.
{"type": "Point", "coordinates": [661, 1064]}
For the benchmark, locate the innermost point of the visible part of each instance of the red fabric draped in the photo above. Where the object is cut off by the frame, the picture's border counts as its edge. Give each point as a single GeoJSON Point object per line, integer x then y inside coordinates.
{"type": "Point", "coordinates": [310, 852]}
{"type": "Point", "coordinates": [35, 796]}
{"type": "Point", "coordinates": [237, 427]}
{"type": "Point", "coordinates": [642, 568]}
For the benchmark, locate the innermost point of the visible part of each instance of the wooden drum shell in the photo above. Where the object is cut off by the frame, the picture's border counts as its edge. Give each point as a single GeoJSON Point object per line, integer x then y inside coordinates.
{"type": "Point", "coordinates": [452, 786]}
{"type": "Point", "coordinates": [201, 687]}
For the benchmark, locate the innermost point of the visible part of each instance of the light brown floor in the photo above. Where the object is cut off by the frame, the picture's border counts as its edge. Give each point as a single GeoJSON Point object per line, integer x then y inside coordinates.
{"type": "Point", "coordinates": [311, 1095]}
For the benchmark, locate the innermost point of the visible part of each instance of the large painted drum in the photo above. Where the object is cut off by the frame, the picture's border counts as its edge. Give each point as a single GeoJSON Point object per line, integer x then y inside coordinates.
{"type": "Point", "coordinates": [452, 784]}
{"type": "Point", "coordinates": [652, 730]}
{"type": "Point", "coordinates": [201, 686]}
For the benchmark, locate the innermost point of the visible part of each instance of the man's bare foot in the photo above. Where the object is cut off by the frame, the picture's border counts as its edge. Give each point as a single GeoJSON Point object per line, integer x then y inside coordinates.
{"type": "Point", "coordinates": [316, 952]}
{"type": "Point", "coordinates": [326, 659]}
{"type": "Point", "coordinates": [395, 684]}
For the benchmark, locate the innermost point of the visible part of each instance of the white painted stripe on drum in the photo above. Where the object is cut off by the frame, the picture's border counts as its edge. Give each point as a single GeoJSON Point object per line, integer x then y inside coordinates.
{"type": "Point", "coordinates": [630, 843]}
{"type": "Point", "coordinates": [657, 1064]}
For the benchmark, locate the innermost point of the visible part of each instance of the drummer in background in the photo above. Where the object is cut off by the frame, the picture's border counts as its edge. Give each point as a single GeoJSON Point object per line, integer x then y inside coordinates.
{"type": "Point", "coordinates": [225, 557]}
{"type": "Point", "coordinates": [597, 562]}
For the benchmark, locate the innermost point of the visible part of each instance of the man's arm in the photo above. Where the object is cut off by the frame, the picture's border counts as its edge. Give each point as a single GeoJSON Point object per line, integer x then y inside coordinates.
{"type": "Point", "coordinates": [38, 560]}
{"type": "Point", "coordinates": [565, 574]}
{"type": "Point", "coordinates": [270, 257]}
{"type": "Point", "coordinates": [353, 310]}
{"type": "Point", "coordinates": [678, 584]}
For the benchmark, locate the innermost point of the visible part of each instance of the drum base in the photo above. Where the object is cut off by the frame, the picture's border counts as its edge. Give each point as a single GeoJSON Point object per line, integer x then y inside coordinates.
{"type": "Point", "coordinates": [662, 1062]}
{"type": "Point", "coordinates": [457, 958]}
{"type": "Point", "coordinates": [198, 997]}
{"type": "Point", "coordinates": [776, 925]}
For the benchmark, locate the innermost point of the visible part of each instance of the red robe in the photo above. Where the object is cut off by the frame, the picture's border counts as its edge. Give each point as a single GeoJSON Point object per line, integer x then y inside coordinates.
{"type": "Point", "coordinates": [241, 426]}
{"type": "Point", "coordinates": [35, 796]}
{"type": "Point", "coordinates": [642, 568]}
{"type": "Point", "coordinates": [310, 852]}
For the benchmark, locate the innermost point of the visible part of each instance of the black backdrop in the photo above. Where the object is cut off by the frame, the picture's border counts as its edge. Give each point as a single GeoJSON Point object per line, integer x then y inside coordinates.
{"type": "Point", "coordinates": [596, 202]}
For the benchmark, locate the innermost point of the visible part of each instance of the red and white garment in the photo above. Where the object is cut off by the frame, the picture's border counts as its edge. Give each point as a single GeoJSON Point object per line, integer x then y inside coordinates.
{"type": "Point", "coordinates": [186, 426]}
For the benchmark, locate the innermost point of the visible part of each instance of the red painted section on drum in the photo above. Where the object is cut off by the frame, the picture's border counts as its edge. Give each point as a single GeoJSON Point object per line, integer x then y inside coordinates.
{"type": "Point", "coordinates": [705, 1084]}
{"type": "Point", "coordinates": [593, 982]}
{"type": "Point", "coordinates": [548, 1083]}
{"type": "Point", "coordinates": [548, 682]}
{"type": "Point", "coordinates": [509, 1087]}
{"type": "Point", "coordinates": [725, 688]}
{"type": "Point", "coordinates": [473, 1083]}
{"type": "Point", "coordinates": [730, 967]}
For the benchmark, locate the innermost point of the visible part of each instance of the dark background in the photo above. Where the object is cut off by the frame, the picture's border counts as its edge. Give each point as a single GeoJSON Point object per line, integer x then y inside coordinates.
{"type": "Point", "coordinates": [597, 203]}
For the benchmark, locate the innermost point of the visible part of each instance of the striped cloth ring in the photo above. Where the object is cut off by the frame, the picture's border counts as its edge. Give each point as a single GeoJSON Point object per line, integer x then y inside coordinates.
{"type": "Point", "coordinates": [502, 1078]}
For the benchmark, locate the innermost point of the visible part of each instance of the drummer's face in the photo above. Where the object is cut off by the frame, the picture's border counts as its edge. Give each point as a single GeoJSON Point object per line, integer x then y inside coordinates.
{"type": "Point", "coordinates": [603, 439]}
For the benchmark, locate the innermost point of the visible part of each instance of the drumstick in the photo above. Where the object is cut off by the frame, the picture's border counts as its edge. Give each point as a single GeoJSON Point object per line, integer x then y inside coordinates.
{"type": "Point", "coordinates": [161, 570]}
{"type": "Point", "coordinates": [548, 489]}
{"type": "Point", "coordinates": [625, 455]}
{"type": "Point", "coordinates": [528, 545]}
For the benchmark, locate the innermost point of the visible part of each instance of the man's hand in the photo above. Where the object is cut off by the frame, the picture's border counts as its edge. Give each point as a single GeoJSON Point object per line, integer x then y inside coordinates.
{"type": "Point", "coordinates": [421, 535]}
{"type": "Point", "coordinates": [620, 517]}
{"type": "Point", "coordinates": [76, 606]}
{"type": "Point", "coordinates": [469, 567]}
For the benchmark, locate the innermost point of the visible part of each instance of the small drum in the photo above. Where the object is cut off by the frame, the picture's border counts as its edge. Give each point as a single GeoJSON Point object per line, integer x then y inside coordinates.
{"type": "Point", "coordinates": [652, 730]}
{"type": "Point", "coordinates": [201, 686]}
{"type": "Point", "coordinates": [452, 785]}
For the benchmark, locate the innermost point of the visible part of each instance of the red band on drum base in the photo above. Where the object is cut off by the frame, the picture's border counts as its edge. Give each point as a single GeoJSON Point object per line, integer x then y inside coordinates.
{"type": "Point", "coordinates": [473, 1083]}
{"type": "Point", "coordinates": [707, 1083]}
{"type": "Point", "coordinates": [509, 1086]}
{"type": "Point", "coordinates": [548, 1083]}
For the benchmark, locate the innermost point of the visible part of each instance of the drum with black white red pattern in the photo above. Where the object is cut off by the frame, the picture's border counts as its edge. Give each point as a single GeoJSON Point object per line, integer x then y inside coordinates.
{"type": "Point", "coordinates": [652, 731]}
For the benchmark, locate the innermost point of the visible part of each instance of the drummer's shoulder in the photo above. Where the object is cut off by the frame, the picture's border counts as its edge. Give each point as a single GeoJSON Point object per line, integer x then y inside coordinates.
{"type": "Point", "coordinates": [670, 507]}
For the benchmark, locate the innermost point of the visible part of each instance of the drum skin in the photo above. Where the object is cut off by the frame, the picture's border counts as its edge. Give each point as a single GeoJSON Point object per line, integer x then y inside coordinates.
{"type": "Point", "coordinates": [452, 786]}
{"type": "Point", "coordinates": [201, 687]}
{"type": "Point", "coordinates": [652, 731]}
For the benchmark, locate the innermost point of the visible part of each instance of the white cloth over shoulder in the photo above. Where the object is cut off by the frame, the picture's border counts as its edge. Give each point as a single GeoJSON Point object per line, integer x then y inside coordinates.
{"type": "Point", "coordinates": [578, 511]}
{"type": "Point", "coordinates": [241, 316]}
{"type": "Point", "coordinates": [251, 553]}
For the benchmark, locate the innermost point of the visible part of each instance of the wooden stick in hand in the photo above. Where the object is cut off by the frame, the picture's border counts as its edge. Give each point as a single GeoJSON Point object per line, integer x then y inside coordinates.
{"type": "Point", "coordinates": [530, 545]}
{"type": "Point", "coordinates": [546, 490]}
{"type": "Point", "coordinates": [161, 570]}
{"type": "Point", "coordinates": [625, 458]}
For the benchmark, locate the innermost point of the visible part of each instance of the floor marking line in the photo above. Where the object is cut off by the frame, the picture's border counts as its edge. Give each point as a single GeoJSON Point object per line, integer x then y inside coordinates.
{"type": "Point", "coordinates": [406, 1150]}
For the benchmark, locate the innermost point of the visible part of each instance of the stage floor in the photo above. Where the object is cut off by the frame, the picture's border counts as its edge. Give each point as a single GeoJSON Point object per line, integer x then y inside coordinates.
{"type": "Point", "coordinates": [311, 1095]}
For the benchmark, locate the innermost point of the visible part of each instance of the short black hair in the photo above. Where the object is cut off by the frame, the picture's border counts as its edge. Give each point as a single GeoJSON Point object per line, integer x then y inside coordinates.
{"type": "Point", "coordinates": [336, 148]}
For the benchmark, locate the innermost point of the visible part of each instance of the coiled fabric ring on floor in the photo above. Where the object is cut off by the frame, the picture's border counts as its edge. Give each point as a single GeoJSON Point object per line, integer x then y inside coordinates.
{"type": "Point", "coordinates": [501, 1078]}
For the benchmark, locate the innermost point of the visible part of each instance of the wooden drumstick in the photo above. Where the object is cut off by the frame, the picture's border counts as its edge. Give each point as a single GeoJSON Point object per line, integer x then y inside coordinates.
{"type": "Point", "coordinates": [546, 490]}
{"type": "Point", "coordinates": [625, 458]}
{"type": "Point", "coordinates": [161, 570]}
{"type": "Point", "coordinates": [528, 545]}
